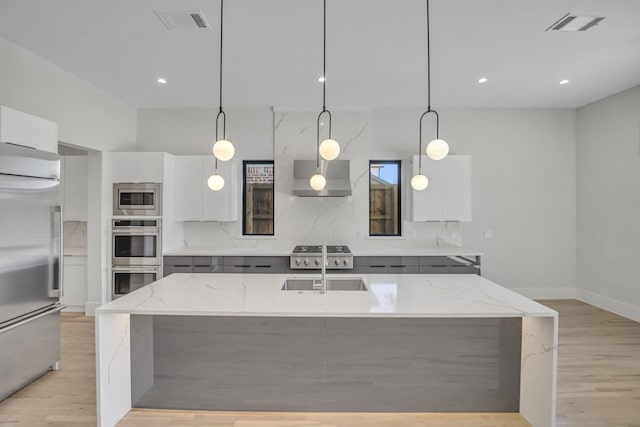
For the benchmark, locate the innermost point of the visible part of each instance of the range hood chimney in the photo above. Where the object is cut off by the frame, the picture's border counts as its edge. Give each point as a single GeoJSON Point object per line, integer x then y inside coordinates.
{"type": "Point", "coordinates": [337, 173]}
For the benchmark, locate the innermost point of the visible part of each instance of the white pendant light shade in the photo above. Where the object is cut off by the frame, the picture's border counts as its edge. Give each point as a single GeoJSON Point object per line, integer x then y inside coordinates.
{"type": "Point", "coordinates": [317, 182]}
{"type": "Point", "coordinates": [437, 149]}
{"type": "Point", "coordinates": [329, 149]}
{"type": "Point", "coordinates": [215, 182]}
{"type": "Point", "coordinates": [223, 150]}
{"type": "Point", "coordinates": [419, 182]}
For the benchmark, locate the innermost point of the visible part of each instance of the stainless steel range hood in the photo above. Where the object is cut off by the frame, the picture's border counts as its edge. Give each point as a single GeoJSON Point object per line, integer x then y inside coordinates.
{"type": "Point", "coordinates": [336, 172]}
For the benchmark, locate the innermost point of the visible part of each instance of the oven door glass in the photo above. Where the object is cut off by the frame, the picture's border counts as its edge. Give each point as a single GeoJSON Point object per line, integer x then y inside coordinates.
{"type": "Point", "coordinates": [136, 249]}
{"type": "Point", "coordinates": [128, 281]}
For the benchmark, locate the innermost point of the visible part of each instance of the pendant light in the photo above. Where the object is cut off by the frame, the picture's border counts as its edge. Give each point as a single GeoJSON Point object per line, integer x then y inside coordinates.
{"type": "Point", "coordinates": [222, 149]}
{"type": "Point", "coordinates": [438, 148]}
{"type": "Point", "coordinates": [329, 149]}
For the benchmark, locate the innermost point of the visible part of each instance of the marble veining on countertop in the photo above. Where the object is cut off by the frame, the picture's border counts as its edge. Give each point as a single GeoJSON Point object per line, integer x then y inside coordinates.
{"type": "Point", "coordinates": [407, 295]}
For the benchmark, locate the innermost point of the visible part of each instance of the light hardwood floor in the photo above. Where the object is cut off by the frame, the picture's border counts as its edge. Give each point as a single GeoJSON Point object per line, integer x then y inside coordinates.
{"type": "Point", "coordinates": [598, 386]}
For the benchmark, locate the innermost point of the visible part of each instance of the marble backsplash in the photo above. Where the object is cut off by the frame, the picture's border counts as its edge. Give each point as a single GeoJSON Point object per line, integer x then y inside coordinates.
{"type": "Point", "coordinates": [312, 220]}
{"type": "Point", "coordinates": [75, 236]}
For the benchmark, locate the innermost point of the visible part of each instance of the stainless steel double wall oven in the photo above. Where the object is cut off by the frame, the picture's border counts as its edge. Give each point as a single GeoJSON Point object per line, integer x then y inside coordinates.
{"type": "Point", "coordinates": [136, 243]}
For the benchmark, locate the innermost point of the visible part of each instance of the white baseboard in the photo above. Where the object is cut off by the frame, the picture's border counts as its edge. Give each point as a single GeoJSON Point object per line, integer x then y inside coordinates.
{"type": "Point", "coordinates": [618, 307]}
{"type": "Point", "coordinates": [90, 308]}
{"type": "Point", "coordinates": [547, 293]}
{"type": "Point", "coordinates": [74, 309]}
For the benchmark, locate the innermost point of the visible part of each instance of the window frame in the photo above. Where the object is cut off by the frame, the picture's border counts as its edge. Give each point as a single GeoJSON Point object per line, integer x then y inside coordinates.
{"type": "Point", "coordinates": [399, 217]}
{"type": "Point", "coordinates": [246, 163]}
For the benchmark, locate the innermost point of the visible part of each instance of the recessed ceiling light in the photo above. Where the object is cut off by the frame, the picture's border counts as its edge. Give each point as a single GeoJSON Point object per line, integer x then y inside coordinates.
{"type": "Point", "coordinates": [482, 80]}
{"type": "Point", "coordinates": [162, 81]}
{"type": "Point", "coordinates": [321, 79]}
{"type": "Point", "coordinates": [564, 82]}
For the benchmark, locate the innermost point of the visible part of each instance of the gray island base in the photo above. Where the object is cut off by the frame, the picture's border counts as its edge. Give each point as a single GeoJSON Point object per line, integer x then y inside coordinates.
{"type": "Point", "coordinates": [327, 364]}
{"type": "Point", "coordinates": [409, 343]}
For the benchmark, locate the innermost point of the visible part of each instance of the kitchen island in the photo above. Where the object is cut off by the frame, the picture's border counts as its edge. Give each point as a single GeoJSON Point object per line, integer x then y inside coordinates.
{"type": "Point", "coordinates": [409, 343]}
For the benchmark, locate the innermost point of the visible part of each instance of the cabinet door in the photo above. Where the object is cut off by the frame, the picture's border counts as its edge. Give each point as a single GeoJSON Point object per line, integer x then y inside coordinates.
{"type": "Point", "coordinates": [124, 167]}
{"type": "Point", "coordinates": [188, 188]}
{"type": "Point", "coordinates": [74, 186]}
{"type": "Point", "coordinates": [74, 285]}
{"type": "Point", "coordinates": [448, 196]}
{"type": "Point", "coordinates": [31, 131]}
{"type": "Point", "coordinates": [150, 167]}
{"type": "Point", "coordinates": [219, 205]}
{"type": "Point", "coordinates": [456, 195]}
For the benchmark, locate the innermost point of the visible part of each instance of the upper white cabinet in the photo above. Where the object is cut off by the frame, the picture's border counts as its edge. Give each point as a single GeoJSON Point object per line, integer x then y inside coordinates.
{"type": "Point", "coordinates": [21, 128]}
{"type": "Point", "coordinates": [137, 167]}
{"type": "Point", "coordinates": [194, 200]}
{"type": "Point", "coordinates": [448, 196]}
{"type": "Point", "coordinates": [74, 185]}
{"type": "Point", "coordinates": [188, 188]}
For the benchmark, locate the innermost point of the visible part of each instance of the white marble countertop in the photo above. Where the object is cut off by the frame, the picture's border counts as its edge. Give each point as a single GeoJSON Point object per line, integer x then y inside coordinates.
{"type": "Point", "coordinates": [228, 252]}
{"type": "Point", "coordinates": [406, 295]}
{"type": "Point", "coordinates": [447, 251]}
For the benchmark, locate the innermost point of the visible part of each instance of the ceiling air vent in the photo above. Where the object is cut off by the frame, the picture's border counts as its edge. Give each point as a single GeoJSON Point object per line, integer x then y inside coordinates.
{"type": "Point", "coordinates": [181, 19]}
{"type": "Point", "coordinates": [572, 22]}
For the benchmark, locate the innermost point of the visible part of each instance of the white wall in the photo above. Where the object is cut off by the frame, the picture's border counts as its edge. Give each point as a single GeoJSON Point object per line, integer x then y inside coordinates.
{"type": "Point", "coordinates": [87, 117]}
{"type": "Point", "coordinates": [608, 198]}
{"type": "Point", "coordinates": [523, 188]}
{"type": "Point", "coordinates": [523, 182]}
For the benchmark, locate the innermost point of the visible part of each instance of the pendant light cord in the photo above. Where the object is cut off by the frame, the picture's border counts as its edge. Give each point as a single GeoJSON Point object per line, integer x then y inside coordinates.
{"type": "Point", "coordinates": [324, 84]}
{"type": "Point", "coordinates": [221, 112]}
{"type": "Point", "coordinates": [324, 55]}
{"type": "Point", "coordinates": [429, 110]}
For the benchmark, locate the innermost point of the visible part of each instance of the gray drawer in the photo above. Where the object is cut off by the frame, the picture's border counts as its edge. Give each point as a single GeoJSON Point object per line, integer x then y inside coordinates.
{"type": "Point", "coordinates": [434, 269]}
{"type": "Point", "coordinates": [403, 269]}
{"type": "Point", "coordinates": [386, 260]}
{"type": "Point", "coordinates": [435, 260]}
{"type": "Point", "coordinates": [255, 264]}
{"type": "Point", "coordinates": [178, 261]}
{"type": "Point", "coordinates": [371, 269]}
{"type": "Point", "coordinates": [206, 264]}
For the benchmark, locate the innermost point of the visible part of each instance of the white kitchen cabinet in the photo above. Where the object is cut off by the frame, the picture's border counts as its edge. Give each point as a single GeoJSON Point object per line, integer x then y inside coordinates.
{"type": "Point", "coordinates": [21, 128]}
{"type": "Point", "coordinates": [448, 196]}
{"type": "Point", "coordinates": [194, 200]}
{"type": "Point", "coordinates": [74, 283]}
{"type": "Point", "coordinates": [188, 188]}
{"type": "Point", "coordinates": [74, 185]}
{"type": "Point", "coordinates": [137, 167]}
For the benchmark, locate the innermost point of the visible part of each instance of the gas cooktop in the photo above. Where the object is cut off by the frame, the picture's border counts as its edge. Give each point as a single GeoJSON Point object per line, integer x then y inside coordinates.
{"type": "Point", "coordinates": [310, 257]}
{"type": "Point", "coordinates": [317, 249]}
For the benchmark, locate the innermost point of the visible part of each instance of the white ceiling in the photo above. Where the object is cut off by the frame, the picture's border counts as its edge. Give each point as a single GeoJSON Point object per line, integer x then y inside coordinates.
{"type": "Point", "coordinates": [376, 51]}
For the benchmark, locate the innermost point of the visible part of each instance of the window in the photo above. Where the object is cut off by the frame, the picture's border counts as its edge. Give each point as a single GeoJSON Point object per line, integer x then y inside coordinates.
{"type": "Point", "coordinates": [257, 198]}
{"type": "Point", "coordinates": [384, 198]}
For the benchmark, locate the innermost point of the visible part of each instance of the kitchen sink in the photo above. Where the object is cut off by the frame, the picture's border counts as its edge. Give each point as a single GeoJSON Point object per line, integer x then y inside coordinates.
{"type": "Point", "coordinates": [353, 284]}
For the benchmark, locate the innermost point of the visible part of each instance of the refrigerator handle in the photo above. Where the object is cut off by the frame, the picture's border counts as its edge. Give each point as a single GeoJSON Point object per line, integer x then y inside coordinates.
{"type": "Point", "coordinates": [55, 254]}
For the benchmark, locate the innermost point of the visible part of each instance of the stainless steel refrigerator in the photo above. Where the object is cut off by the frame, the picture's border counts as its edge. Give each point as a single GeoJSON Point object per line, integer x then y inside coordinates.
{"type": "Point", "coordinates": [30, 265]}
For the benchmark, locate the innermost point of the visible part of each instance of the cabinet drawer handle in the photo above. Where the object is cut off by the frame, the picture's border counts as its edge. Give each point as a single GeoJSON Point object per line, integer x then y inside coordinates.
{"type": "Point", "coordinates": [263, 266]}
{"type": "Point", "coordinates": [181, 265]}
{"type": "Point", "coordinates": [377, 266]}
{"type": "Point", "coordinates": [242, 265]}
{"type": "Point", "coordinates": [399, 266]}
